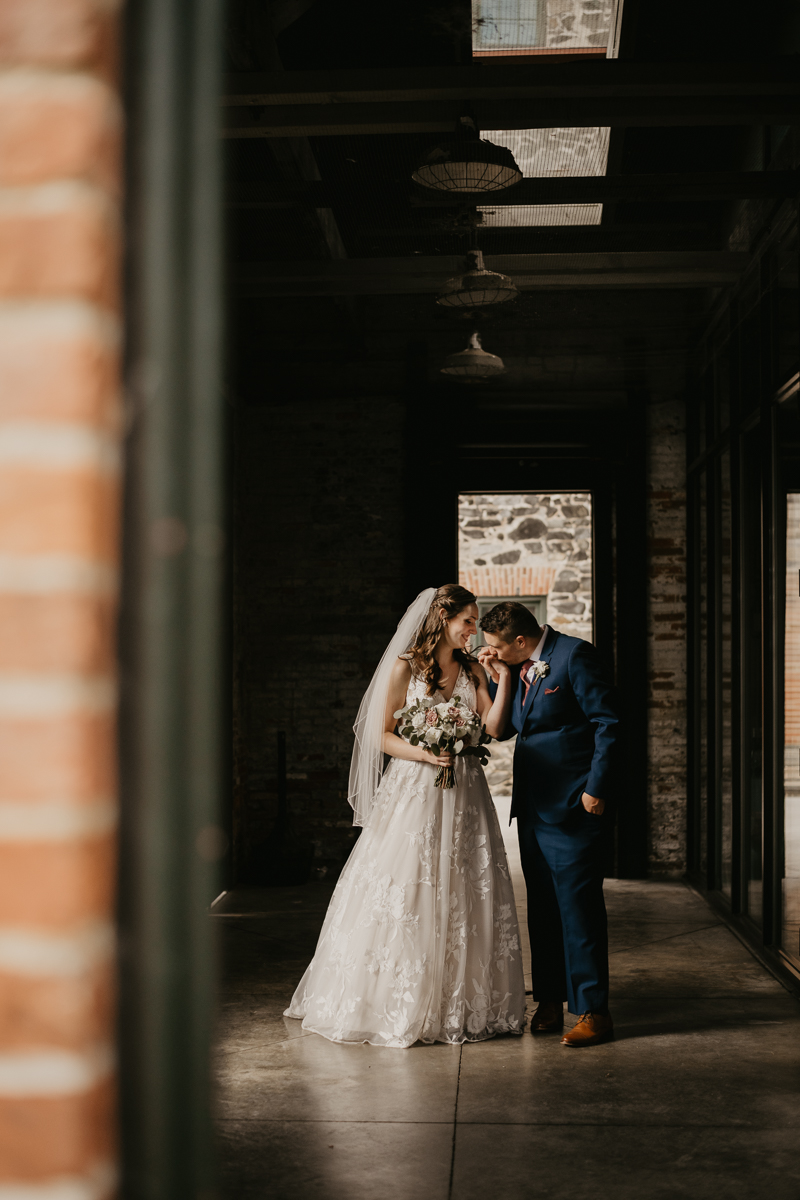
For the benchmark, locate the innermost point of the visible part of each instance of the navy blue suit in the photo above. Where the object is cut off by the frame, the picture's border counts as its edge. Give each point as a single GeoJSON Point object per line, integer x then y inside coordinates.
{"type": "Point", "coordinates": [567, 739]}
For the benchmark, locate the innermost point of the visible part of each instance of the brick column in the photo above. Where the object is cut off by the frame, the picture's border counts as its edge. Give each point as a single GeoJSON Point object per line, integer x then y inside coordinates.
{"type": "Point", "coordinates": [666, 519]}
{"type": "Point", "coordinates": [59, 449]}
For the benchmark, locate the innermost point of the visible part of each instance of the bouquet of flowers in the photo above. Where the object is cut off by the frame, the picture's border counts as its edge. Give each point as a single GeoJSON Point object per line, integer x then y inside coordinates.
{"type": "Point", "coordinates": [447, 728]}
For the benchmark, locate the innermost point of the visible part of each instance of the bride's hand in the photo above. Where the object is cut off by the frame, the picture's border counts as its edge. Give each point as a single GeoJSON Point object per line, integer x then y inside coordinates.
{"type": "Point", "coordinates": [488, 659]}
{"type": "Point", "coordinates": [438, 760]}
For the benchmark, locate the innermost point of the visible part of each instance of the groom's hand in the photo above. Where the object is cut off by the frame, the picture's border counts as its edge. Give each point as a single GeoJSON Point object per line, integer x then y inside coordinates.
{"type": "Point", "coordinates": [593, 805]}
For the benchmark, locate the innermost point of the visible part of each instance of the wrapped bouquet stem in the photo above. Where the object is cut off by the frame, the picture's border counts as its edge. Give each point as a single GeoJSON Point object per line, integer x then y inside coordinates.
{"type": "Point", "coordinates": [450, 727]}
{"type": "Point", "coordinates": [445, 777]}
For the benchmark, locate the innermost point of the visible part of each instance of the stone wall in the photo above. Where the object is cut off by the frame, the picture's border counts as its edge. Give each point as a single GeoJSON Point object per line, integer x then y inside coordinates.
{"type": "Point", "coordinates": [318, 591]}
{"type": "Point", "coordinates": [666, 518]}
{"type": "Point", "coordinates": [531, 544]}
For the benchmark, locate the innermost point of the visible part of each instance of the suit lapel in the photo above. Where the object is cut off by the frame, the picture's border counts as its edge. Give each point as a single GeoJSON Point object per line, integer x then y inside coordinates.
{"type": "Point", "coordinates": [552, 638]}
{"type": "Point", "coordinates": [517, 702]}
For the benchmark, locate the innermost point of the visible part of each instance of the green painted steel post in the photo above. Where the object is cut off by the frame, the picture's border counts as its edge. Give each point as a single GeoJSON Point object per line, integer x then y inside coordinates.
{"type": "Point", "coordinates": [170, 630]}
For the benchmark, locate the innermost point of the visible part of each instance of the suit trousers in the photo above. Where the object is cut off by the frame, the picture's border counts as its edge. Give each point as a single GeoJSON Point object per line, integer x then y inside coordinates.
{"type": "Point", "coordinates": [564, 866]}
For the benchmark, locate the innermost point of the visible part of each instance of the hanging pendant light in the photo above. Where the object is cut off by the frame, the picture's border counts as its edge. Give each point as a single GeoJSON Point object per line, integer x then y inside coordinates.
{"type": "Point", "coordinates": [465, 163]}
{"type": "Point", "coordinates": [473, 364]}
{"type": "Point", "coordinates": [477, 287]}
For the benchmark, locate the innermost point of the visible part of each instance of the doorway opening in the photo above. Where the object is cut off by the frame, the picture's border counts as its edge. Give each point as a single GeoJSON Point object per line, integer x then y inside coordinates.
{"type": "Point", "coordinates": [535, 548]}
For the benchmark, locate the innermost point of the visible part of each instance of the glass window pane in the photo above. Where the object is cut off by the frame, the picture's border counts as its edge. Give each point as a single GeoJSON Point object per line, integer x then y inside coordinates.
{"type": "Point", "coordinates": [509, 26]}
{"type": "Point", "coordinates": [790, 934]}
{"type": "Point", "coordinates": [550, 154]}
{"type": "Point", "coordinates": [723, 392]}
{"type": "Point", "coordinates": [725, 652]}
{"type": "Point", "coordinates": [703, 675]}
{"type": "Point", "coordinates": [786, 309]}
{"type": "Point", "coordinates": [752, 678]}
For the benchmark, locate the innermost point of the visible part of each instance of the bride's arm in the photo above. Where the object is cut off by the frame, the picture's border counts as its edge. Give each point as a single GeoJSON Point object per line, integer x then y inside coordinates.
{"type": "Point", "coordinates": [494, 713]}
{"type": "Point", "coordinates": [397, 746]}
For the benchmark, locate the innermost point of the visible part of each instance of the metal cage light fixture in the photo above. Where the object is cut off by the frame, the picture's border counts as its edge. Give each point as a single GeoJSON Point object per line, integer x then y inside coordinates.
{"type": "Point", "coordinates": [465, 163]}
{"type": "Point", "coordinates": [473, 364]}
{"type": "Point", "coordinates": [477, 287]}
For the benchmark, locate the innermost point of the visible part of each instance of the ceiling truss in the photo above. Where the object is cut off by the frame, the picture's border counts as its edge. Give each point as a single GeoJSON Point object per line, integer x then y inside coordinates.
{"type": "Point", "coordinates": [505, 96]}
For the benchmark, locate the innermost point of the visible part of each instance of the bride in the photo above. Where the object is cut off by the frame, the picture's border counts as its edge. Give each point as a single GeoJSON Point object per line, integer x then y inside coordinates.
{"type": "Point", "coordinates": [420, 942]}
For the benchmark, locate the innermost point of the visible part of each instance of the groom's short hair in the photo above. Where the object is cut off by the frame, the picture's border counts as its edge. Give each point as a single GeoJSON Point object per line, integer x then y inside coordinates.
{"type": "Point", "coordinates": [510, 620]}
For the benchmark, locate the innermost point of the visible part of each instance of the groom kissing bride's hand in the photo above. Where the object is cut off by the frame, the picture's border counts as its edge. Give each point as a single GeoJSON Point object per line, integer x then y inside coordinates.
{"type": "Point", "coordinates": [562, 707]}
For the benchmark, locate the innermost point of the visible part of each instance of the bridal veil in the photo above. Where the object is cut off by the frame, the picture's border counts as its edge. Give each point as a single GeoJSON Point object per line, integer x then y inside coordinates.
{"type": "Point", "coordinates": [366, 767]}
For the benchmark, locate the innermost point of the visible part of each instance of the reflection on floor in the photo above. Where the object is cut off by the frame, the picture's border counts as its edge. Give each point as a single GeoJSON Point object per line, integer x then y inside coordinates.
{"type": "Point", "coordinates": [697, 1097]}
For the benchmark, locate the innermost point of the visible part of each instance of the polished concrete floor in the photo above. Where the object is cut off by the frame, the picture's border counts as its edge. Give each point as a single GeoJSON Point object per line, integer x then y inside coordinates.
{"type": "Point", "coordinates": [697, 1096]}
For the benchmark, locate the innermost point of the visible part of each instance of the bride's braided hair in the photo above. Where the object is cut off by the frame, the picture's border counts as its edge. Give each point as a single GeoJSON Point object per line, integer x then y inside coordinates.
{"type": "Point", "coordinates": [449, 601]}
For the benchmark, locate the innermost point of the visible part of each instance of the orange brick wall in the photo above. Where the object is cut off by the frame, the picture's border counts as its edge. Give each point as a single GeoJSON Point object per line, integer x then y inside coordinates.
{"type": "Point", "coordinates": [507, 581]}
{"type": "Point", "coordinates": [59, 449]}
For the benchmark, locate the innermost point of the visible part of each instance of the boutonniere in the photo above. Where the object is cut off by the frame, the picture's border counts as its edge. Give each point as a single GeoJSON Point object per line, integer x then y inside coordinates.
{"type": "Point", "coordinates": [540, 668]}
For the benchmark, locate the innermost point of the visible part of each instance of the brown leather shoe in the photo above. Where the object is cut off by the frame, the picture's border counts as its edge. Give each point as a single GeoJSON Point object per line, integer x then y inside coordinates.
{"type": "Point", "coordinates": [590, 1029]}
{"type": "Point", "coordinates": [549, 1017]}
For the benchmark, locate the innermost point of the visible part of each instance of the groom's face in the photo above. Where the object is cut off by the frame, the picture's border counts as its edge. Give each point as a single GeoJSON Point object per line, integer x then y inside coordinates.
{"type": "Point", "coordinates": [512, 652]}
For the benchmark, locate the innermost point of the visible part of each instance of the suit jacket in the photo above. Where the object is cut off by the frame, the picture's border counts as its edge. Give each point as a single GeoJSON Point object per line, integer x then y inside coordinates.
{"type": "Point", "coordinates": [568, 732]}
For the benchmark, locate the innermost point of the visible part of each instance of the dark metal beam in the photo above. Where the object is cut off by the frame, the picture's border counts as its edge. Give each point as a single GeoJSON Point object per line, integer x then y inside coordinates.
{"type": "Point", "coordinates": [322, 120]}
{"type": "Point", "coordinates": [505, 96]}
{"type": "Point", "coordinates": [694, 185]}
{"type": "Point", "coordinates": [690, 185]}
{"type": "Point", "coordinates": [534, 80]}
{"type": "Point", "coordinates": [397, 276]}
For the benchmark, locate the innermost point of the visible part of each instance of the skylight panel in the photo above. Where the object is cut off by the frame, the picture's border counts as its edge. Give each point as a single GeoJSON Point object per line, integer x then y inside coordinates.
{"type": "Point", "coordinates": [550, 154]}
{"type": "Point", "coordinates": [541, 26]}
{"type": "Point", "coordinates": [521, 215]}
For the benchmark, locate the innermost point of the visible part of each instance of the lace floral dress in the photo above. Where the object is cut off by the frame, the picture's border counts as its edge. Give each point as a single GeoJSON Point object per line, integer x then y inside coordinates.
{"type": "Point", "coordinates": [420, 942]}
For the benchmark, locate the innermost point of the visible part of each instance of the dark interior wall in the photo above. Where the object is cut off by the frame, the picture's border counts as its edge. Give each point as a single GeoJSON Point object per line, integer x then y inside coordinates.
{"type": "Point", "coordinates": [345, 507]}
{"type": "Point", "coordinates": [342, 513]}
{"type": "Point", "coordinates": [330, 496]}
{"type": "Point", "coordinates": [319, 586]}
{"type": "Point", "coordinates": [593, 396]}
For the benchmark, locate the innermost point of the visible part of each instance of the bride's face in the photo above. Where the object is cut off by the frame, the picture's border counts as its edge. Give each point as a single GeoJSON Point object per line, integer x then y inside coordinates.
{"type": "Point", "coordinates": [460, 628]}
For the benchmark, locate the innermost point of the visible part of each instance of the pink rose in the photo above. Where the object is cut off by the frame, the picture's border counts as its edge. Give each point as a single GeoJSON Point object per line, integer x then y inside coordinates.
{"type": "Point", "coordinates": [431, 717]}
{"type": "Point", "coordinates": [453, 713]}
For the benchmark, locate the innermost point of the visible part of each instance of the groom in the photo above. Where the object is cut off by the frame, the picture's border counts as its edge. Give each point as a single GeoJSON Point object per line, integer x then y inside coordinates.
{"type": "Point", "coordinates": [564, 711]}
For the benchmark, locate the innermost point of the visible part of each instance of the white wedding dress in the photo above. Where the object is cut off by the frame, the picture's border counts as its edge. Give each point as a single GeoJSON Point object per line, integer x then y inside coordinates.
{"type": "Point", "coordinates": [421, 941]}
